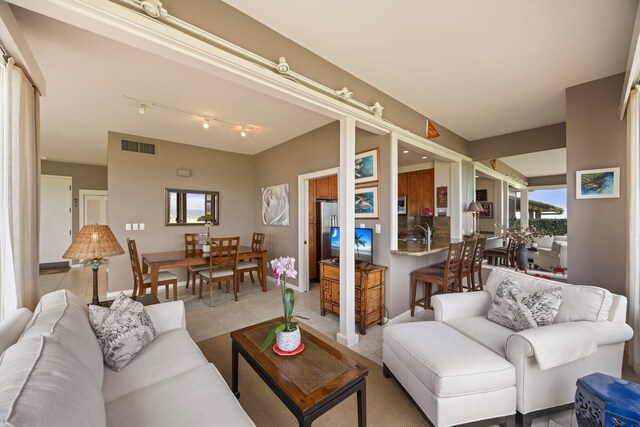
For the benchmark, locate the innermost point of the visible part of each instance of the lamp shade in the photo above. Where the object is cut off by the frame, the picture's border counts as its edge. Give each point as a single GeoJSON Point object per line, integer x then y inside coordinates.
{"type": "Point", "coordinates": [475, 207]}
{"type": "Point", "coordinates": [94, 242]}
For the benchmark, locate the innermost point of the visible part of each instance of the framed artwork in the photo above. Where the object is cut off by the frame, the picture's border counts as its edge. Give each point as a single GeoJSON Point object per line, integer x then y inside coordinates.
{"type": "Point", "coordinates": [367, 165]}
{"type": "Point", "coordinates": [487, 210]}
{"type": "Point", "coordinates": [275, 205]}
{"type": "Point", "coordinates": [481, 195]}
{"type": "Point", "coordinates": [598, 184]}
{"type": "Point", "coordinates": [367, 202]}
{"type": "Point", "coordinates": [402, 205]}
{"type": "Point", "coordinates": [441, 199]}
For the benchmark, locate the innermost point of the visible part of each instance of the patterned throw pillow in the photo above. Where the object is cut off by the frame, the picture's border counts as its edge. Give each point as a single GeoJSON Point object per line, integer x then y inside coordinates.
{"type": "Point", "coordinates": [122, 330]}
{"type": "Point", "coordinates": [517, 309]}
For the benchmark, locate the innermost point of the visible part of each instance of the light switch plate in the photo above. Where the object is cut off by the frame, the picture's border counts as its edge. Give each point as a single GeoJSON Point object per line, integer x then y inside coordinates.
{"type": "Point", "coordinates": [141, 226]}
{"type": "Point", "coordinates": [378, 228]}
{"type": "Point", "coordinates": [135, 227]}
{"type": "Point", "coordinates": [127, 227]}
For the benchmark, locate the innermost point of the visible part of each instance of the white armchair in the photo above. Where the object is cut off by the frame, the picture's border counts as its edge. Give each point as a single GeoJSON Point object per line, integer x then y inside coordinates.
{"type": "Point", "coordinates": [551, 252]}
{"type": "Point", "coordinates": [587, 336]}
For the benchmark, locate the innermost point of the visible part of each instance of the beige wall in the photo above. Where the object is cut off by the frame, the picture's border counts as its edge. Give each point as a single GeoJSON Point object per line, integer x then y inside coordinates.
{"type": "Point", "coordinates": [84, 177]}
{"type": "Point", "coordinates": [596, 138]}
{"type": "Point", "coordinates": [522, 142]}
{"type": "Point", "coordinates": [136, 195]}
{"type": "Point", "coordinates": [487, 224]}
{"type": "Point", "coordinates": [224, 21]}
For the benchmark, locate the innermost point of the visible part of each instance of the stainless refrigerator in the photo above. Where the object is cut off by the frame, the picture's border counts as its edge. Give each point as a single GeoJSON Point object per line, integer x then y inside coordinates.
{"type": "Point", "coordinates": [326, 217]}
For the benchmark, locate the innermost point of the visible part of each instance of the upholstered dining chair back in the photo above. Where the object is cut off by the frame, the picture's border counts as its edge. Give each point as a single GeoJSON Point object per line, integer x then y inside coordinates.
{"type": "Point", "coordinates": [223, 253]}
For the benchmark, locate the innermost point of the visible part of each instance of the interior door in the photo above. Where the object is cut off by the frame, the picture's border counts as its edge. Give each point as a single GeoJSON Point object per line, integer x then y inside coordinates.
{"type": "Point", "coordinates": [55, 218]}
{"type": "Point", "coordinates": [94, 207]}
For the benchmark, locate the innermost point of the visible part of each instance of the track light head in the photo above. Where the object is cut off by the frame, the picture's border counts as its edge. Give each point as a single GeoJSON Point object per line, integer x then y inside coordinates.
{"type": "Point", "coordinates": [142, 108]}
{"type": "Point", "coordinates": [243, 133]}
{"type": "Point", "coordinates": [205, 124]}
{"type": "Point", "coordinates": [154, 8]}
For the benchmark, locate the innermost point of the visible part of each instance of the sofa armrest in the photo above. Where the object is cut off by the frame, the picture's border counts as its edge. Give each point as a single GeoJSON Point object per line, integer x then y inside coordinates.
{"type": "Point", "coordinates": [167, 316]}
{"type": "Point", "coordinates": [561, 343]}
{"type": "Point", "coordinates": [456, 305]}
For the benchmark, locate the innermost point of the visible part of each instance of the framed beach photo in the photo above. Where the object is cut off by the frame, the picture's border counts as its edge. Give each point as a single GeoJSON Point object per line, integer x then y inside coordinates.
{"type": "Point", "coordinates": [367, 165]}
{"type": "Point", "coordinates": [366, 202]}
{"type": "Point", "coordinates": [598, 184]}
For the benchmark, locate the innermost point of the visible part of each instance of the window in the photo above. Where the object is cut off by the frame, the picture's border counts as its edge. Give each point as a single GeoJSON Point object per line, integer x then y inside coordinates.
{"type": "Point", "coordinates": [186, 207]}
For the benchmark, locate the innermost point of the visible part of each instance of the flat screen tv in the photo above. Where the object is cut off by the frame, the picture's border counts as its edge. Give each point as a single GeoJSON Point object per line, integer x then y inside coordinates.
{"type": "Point", "coordinates": [363, 244]}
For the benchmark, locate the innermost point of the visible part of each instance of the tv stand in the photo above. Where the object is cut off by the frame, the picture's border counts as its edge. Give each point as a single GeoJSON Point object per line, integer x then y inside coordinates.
{"type": "Point", "coordinates": [369, 286]}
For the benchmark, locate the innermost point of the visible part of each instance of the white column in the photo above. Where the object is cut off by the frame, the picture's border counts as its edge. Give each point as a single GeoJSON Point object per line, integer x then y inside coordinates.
{"type": "Point", "coordinates": [505, 203]}
{"type": "Point", "coordinates": [524, 208]}
{"type": "Point", "coordinates": [498, 203]}
{"type": "Point", "coordinates": [457, 210]}
{"type": "Point", "coordinates": [633, 224]}
{"type": "Point", "coordinates": [393, 160]}
{"type": "Point", "coordinates": [346, 194]}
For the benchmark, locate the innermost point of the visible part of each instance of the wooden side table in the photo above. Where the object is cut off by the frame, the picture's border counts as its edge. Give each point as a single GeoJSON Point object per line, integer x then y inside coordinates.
{"type": "Point", "coordinates": [605, 401]}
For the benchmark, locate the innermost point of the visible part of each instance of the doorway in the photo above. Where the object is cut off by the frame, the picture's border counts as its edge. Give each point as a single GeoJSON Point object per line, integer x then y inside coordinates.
{"type": "Point", "coordinates": [55, 219]}
{"type": "Point", "coordinates": [93, 207]}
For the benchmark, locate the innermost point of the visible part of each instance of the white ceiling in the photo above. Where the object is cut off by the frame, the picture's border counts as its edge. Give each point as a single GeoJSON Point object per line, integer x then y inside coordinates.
{"type": "Point", "coordinates": [542, 163]}
{"type": "Point", "coordinates": [480, 68]}
{"type": "Point", "coordinates": [87, 76]}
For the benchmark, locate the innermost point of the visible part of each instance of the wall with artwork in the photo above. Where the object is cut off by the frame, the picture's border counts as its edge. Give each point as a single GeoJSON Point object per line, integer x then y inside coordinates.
{"type": "Point", "coordinates": [485, 196]}
{"type": "Point", "coordinates": [596, 139]}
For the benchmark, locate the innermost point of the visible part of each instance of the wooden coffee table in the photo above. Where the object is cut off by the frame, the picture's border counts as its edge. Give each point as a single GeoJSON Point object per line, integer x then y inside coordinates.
{"type": "Point", "coordinates": [309, 383]}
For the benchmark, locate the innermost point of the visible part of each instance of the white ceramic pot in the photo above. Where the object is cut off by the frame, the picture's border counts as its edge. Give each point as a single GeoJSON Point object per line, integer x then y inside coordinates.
{"type": "Point", "coordinates": [288, 341]}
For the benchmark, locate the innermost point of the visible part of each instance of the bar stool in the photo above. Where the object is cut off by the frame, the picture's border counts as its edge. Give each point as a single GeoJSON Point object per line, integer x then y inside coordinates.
{"type": "Point", "coordinates": [444, 278]}
{"type": "Point", "coordinates": [476, 265]}
{"type": "Point", "coordinates": [467, 264]}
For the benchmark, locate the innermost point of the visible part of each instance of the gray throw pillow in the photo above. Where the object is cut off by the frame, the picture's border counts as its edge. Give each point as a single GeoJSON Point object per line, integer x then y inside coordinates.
{"type": "Point", "coordinates": [122, 330]}
{"type": "Point", "coordinates": [517, 309]}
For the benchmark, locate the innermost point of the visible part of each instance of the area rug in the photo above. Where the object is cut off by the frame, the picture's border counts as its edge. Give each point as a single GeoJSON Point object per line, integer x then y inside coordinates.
{"type": "Point", "coordinates": [387, 405]}
{"type": "Point", "coordinates": [54, 270]}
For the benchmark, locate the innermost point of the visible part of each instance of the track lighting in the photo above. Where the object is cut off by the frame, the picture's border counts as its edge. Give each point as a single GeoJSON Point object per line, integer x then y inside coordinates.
{"type": "Point", "coordinates": [205, 124]}
{"type": "Point", "coordinates": [405, 151]}
{"type": "Point", "coordinates": [424, 157]}
{"type": "Point", "coordinates": [243, 133]}
{"type": "Point", "coordinates": [142, 108]}
{"type": "Point", "coordinates": [153, 8]}
{"type": "Point", "coordinates": [283, 67]}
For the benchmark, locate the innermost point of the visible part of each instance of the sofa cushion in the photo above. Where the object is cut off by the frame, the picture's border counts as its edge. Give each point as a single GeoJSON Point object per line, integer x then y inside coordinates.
{"type": "Point", "coordinates": [195, 398]}
{"type": "Point", "coordinates": [482, 330]}
{"type": "Point", "coordinates": [42, 384]}
{"type": "Point", "coordinates": [170, 354]}
{"type": "Point", "coordinates": [62, 315]}
{"type": "Point", "coordinates": [517, 309]}
{"type": "Point", "coordinates": [122, 331]}
{"type": "Point", "coordinates": [447, 362]}
{"type": "Point", "coordinates": [13, 326]}
{"type": "Point", "coordinates": [589, 303]}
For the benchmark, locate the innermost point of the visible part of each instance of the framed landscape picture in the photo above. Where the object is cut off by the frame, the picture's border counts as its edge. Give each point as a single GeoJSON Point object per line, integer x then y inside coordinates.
{"type": "Point", "coordinates": [598, 183]}
{"type": "Point", "coordinates": [487, 210]}
{"type": "Point", "coordinates": [366, 202]}
{"type": "Point", "coordinates": [367, 165]}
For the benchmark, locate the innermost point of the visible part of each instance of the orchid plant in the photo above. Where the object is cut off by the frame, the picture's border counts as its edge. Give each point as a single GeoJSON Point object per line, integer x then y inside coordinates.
{"type": "Point", "coordinates": [283, 267]}
{"type": "Point", "coordinates": [521, 237]}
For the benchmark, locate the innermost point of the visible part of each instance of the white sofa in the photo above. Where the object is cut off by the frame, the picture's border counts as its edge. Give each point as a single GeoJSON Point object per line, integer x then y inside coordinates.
{"type": "Point", "coordinates": [587, 336]}
{"type": "Point", "coordinates": [52, 373]}
{"type": "Point", "coordinates": [551, 252]}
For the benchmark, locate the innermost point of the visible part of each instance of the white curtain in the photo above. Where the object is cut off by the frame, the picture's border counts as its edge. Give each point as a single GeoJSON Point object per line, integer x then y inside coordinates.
{"type": "Point", "coordinates": [633, 221]}
{"type": "Point", "coordinates": [19, 189]}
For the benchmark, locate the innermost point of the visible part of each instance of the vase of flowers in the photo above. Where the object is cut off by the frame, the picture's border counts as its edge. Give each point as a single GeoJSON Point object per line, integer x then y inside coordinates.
{"type": "Point", "coordinates": [205, 246]}
{"type": "Point", "coordinates": [287, 333]}
{"type": "Point", "coordinates": [522, 238]}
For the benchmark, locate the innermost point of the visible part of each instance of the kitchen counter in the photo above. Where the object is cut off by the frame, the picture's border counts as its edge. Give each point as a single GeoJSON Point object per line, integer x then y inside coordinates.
{"type": "Point", "coordinates": [411, 247]}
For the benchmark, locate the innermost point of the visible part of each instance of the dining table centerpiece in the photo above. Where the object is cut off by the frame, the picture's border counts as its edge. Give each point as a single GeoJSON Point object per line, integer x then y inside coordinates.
{"type": "Point", "coordinates": [206, 246]}
{"type": "Point", "coordinates": [287, 333]}
{"type": "Point", "coordinates": [522, 239]}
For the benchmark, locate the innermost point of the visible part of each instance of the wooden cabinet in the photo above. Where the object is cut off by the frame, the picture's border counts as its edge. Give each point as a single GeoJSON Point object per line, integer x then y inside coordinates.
{"type": "Point", "coordinates": [419, 192]}
{"type": "Point", "coordinates": [327, 188]}
{"type": "Point", "coordinates": [402, 184]}
{"type": "Point", "coordinates": [369, 283]}
{"type": "Point", "coordinates": [311, 245]}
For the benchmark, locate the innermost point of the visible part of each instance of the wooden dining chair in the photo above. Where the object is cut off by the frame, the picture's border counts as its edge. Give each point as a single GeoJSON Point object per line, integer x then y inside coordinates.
{"type": "Point", "coordinates": [192, 244]}
{"type": "Point", "coordinates": [476, 268]}
{"type": "Point", "coordinates": [503, 255]}
{"type": "Point", "coordinates": [143, 281]}
{"type": "Point", "coordinates": [446, 279]}
{"type": "Point", "coordinates": [466, 268]}
{"type": "Point", "coordinates": [251, 265]}
{"type": "Point", "coordinates": [223, 263]}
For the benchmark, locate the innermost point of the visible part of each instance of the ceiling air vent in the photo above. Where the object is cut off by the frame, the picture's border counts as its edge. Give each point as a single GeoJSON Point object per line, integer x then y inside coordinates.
{"type": "Point", "coordinates": [138, 147]}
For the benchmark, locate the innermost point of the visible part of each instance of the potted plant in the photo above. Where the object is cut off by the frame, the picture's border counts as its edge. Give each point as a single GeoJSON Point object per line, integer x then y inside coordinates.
{"type": "Point", "coordinates": [522, 238]}
{"type": "Point", "coordinates": [287, 333]}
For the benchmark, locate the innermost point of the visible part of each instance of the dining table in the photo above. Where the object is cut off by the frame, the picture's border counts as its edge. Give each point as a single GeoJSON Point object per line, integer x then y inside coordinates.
{"type": "Point", "coordinates": [174, 259]}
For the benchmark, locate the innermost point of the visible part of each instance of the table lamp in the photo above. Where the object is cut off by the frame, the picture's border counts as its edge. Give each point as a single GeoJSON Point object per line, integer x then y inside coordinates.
{"type": "Point", "coordinates": [93, 245]}
{"type": "Point", "coordinates": [475, 208]}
